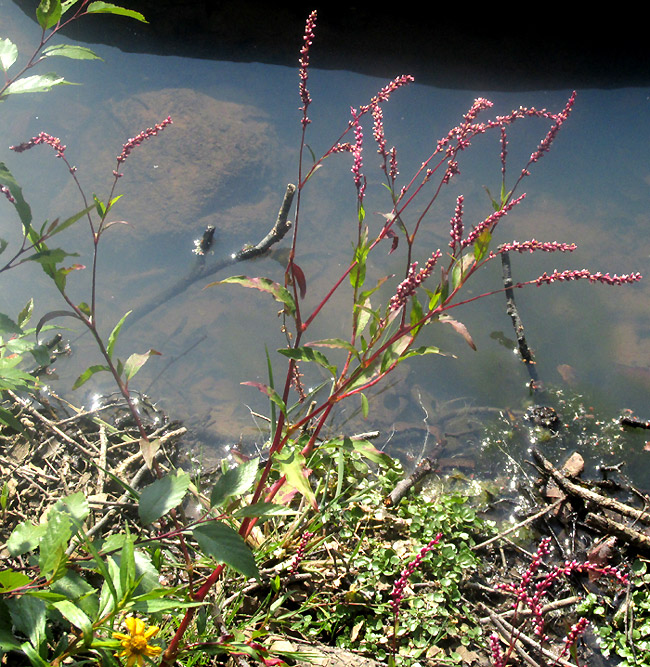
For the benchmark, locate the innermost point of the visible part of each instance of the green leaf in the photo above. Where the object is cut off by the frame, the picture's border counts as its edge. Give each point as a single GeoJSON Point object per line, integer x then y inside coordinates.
{"type": "Point", "coordinates": [365, 408]}
{"type": "Point", "coordinates": [48, 13]}
{"type": "Point", "coordinates": [70, 51]}
{"type": "Point", "coordinates": [163, 495]}
{"type": "Point", "coordinates": [22, 207]}
{"type": "Point", "coordinates": [127, 563]}
{"type": "Point", "coordinates": [70, 221]}
{"type": "Point", "coordinates": [8, 53]}
{"type": "Point", "coordinates": [308, 354]}
{"type": "Point", "coordinates": [482, 244]}
{"type": "Point", "coordinates": [29, 617]}
{"type": "Point", "coordinates": [51, 552]}
{"type": "Point", "coordinates": [292, 465]}
{"type": "Point", "coordinates": [335, 343]}
{"type": "Point", "coordinates": [8, 326]}
{"type": "Point", "coordinates": [270, 392]}
{"type": "Point", "coordinates": [26, 313]}
{"type": "Point", "coordinates": [227, 546]}
{"type": "Point", "coordinates": [162, 605]}
{"type": "Point", "coordinates": [38, 83]}
{"type": "Point", "coordinates": [234, 482]}
{"type": "Point", "coordinates": [88, 373]}
{"type": "Point", "coordinates": [24, 537]}
{"type": "Point", "coordinates": [277, 291]}
{"type": "Point", "coordinates": [112, 339]}
{"type": "Point", "coordinates": [77, 617]}
{"type": "Point", "coordinates": [107, 8]}
{"type": "Point", "coordinates": [135, 362]}
{"type": "Point", "coordinates": [50, 316]}
{"type": "Point", "coordinates": [263, 509]}
{"type": "Point", "coordinates": [10, 580]}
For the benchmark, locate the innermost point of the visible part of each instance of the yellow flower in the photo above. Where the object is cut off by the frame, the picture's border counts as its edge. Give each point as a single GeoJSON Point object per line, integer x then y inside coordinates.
{"type": "Point", "coordinates": [136, 645]}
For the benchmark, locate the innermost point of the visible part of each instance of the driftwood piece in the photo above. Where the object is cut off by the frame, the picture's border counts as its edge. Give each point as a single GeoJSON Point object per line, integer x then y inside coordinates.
{"type": "Point", "coordinates": [423, 468]}
{"type": "Point", "coordinates": [638, 540]}
{"type": "Point", "coordinates": [573, 489]}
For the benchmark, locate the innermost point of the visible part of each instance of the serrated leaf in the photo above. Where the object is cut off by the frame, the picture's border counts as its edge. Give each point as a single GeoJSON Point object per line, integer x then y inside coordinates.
{"type": "Point", "coordinates": [108, 8]}
{"type": "Point", "coordinates": [227, 546]}
{"type": "Point", "coordinates": [277, 291]}
{"type": "Point", "coordinates": [163, 495]}
{"type": "Point", "coordinates": [48, 13]}
{"type": "Point", "coordinates": [53, 544]}
{"type": "Point", "coordinates": [37, 83]}
{"type": "Point", "coordinates": [8, 53]}
{"type": "Point", "coordinates": [234, 482]}
{"type": "Point", "coordinates": [70, 51]}
{"type": "Point", "coordinates": [8, 326]}
{"type": "Point", "coordinates": [26, 313]}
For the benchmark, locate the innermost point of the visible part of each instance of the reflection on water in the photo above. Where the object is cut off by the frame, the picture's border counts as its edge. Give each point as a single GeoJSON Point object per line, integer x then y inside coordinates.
{"type": "Point", "coordinates": [226, 162]}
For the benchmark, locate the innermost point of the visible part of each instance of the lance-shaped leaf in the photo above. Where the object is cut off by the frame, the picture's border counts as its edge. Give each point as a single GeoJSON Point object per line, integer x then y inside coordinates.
{"type": "Point", "coordinates": [308, 354]}
{"type": "Point", "coordinates": [277, 291]}
{"type": "Point", "coordinates": [136, 361]}
{"type": "Point", "coordinates": [112, 339]}
{"type": "Point", "coordinates": [270, 392]}
{"type": "Point", "coordinates": [52, 315]}
{"type": "Point", "coordinates": [460, 328]}
{"type": "Point", "coordinates": [22, 207]}
{"type": "Point", "coordinates": [88, 373]}
{"type": "Point", "coordinates": [225, 545]}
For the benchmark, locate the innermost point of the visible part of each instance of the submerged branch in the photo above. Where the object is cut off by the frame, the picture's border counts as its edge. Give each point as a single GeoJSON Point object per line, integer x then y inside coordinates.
{"type": "Point", "coordinates": [199, 270]}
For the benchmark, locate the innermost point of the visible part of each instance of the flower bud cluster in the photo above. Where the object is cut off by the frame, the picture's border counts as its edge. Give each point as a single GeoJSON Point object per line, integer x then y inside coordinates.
{"type": "Point", "coordinates": [300, 552]}
{"type": "Point", "coordinates": [7, 193]}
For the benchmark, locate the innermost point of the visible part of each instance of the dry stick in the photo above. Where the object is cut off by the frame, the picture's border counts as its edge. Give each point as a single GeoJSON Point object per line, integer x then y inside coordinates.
{"type": "Point", "coordinates": [277, 233]}
{"type": "Point", "coordinates": [587, 494]}
{"type": "Point", "coordinates": [35, 413]}
{"type": "Point", "coordinates": [519, 525]}
{"type": "Point", "coordinates": [511, 309]}
{"type": "Point", "coordinates": [629, 535]}
{"type": "Point", "coordinates": [508, 629]}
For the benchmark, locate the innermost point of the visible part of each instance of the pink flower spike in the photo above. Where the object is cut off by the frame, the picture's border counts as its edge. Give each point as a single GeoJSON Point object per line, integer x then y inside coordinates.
{"type": "Point", "coordinates": [145, 134]}
{"type": "Point", "coordinates": [42, 138]}
{"type": "Point", "coordinates": [303, 72]}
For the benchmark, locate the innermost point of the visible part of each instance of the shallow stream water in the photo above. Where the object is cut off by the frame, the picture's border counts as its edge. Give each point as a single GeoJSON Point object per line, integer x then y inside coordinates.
{"type": "Point", "coordinates": [226, 161]}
